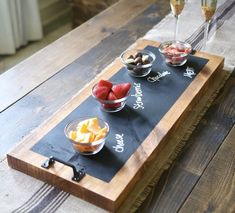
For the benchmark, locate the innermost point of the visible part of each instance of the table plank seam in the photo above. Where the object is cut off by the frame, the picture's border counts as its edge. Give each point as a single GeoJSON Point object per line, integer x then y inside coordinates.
{"type": "Point", "coordinates": [34, 88]}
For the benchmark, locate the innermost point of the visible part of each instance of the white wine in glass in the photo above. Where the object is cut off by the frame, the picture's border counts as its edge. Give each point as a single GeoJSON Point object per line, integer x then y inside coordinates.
{"type": "Point", "coordinates": [208, 10]}
{"type": "Point", "coordinates": [176, 7]}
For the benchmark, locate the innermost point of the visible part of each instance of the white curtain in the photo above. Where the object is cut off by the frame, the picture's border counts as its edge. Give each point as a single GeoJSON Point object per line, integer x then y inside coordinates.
{"type": "Point", "coordinates": [19, 23]}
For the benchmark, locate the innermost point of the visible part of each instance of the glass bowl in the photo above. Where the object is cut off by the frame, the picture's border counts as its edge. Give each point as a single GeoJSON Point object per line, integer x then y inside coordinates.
{"type": "Point", "coordinates": [175, 53]}
{"type": "Point", "coordinates": [86, 148]}
{"type": "Point", "coordinates": [138, 68]}
{"type": "Point", "coordinates": [111, 105]}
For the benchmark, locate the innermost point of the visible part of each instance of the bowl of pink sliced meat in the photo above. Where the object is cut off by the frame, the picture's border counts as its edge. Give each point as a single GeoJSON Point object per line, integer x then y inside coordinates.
{"type": "Point", "coordinates": [175, 53]}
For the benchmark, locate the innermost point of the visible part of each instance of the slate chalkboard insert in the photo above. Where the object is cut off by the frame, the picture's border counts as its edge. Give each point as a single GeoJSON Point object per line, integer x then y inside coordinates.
{"type": "Point", "coordinates": [131, 125]}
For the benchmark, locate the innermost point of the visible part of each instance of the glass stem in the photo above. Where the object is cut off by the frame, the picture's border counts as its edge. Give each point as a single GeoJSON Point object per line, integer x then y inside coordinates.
{"type": "Point", "coordinates": [205, 35]}
{"type": "Point", "coordinates": [176, 27]}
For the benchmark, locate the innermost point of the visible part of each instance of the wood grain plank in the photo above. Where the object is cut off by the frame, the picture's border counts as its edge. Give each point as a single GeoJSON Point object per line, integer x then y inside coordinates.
{"type": "Point", "coordinates": [215, 191]}
{"type": "Point", "coordinates": [204, 142]}
{"type": "Point", "coordinates": [167, 195]}
{"type": "Point", "coordinates": [27, 75]}
{"type": "Point", "coordinates": [211, 132]}
{"type": "Point", "coordinates": [44, 100]}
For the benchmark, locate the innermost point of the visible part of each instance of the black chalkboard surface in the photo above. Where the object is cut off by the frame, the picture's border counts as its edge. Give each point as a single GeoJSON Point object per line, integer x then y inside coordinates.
{"type": "Point", "coordinates": [146, 105]}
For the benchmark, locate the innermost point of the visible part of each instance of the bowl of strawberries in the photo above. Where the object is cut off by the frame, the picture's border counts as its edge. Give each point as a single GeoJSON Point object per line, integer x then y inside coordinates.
{"type": "Point", "coordinates": [112, 96]}
{"type": "Point", "coordinates": [175, 53]}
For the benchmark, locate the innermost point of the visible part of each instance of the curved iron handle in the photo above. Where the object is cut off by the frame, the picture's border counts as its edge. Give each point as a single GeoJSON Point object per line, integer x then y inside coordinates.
{"type": "Point", "coordinates": [77, 174]}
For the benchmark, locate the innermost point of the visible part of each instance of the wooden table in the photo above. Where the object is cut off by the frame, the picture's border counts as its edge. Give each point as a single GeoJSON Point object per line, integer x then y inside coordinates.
{"type": "Point", "coordinates": [201, 178]}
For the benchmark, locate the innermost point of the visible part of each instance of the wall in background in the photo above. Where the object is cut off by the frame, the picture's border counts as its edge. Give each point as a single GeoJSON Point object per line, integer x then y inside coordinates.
{"type": "Point", "coordinates": [57, 12]}
{"type": "Point", "coordinates": [54, 13]}
{"type": "Point", "coordinates": [86, 9]}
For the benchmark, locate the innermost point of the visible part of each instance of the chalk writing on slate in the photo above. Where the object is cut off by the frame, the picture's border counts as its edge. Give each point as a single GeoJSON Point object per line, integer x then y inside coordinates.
{"type": "Point", "coordinates": [138, 95]}
{"type": "Point", "coordinates": [120, 146]}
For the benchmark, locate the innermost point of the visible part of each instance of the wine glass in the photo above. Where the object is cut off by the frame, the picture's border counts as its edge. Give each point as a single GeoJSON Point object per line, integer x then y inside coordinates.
{"type": "Point", "coordinates": [208, 10]}
{"type": "Point", "coordinates": [176, 7]}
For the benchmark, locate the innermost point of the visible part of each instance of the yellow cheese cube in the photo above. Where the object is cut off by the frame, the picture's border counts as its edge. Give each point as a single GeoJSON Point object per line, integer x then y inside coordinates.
{"type": "Point", "coordinates": [103, 130]}
{"type": "Point", "coordinates": [92, 138]}
{"type": "Point", "coordinates": [80, 137]}
{"type": "Point", "coordinates": [72, 135]}
{"type": "Point", "coordinates": [93, 125]}
{"type": "Point", "coordinates": [87, 137]}
{"type": "Point", "coordinates": [83, 123]}
{"type": "Point", "coordinates": [101, 134]}
{"type": "Point", "coordinates": [88, 130]}
{"type": "Point", "coordinates": [84, 137]}
{"type": "Point", "coordinates": [83, 129]}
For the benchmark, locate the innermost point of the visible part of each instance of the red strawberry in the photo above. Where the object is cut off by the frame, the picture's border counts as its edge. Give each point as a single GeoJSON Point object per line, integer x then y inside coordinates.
{"type": "Point", "coordinates": [101, 92]}
{"type": "Point", "coordinates": [104, 83]}
{"type": "Point", "coordinates": [121, 90]}
{"type": "Point", "coordinates": [112, 97]}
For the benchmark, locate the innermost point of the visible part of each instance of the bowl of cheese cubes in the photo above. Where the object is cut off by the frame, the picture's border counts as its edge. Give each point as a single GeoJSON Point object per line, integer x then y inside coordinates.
{"type": "Point", "coordinates": [87, 135]}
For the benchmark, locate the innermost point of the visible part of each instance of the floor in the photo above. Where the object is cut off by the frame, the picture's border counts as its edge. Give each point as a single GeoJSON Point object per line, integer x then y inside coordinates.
{"type": "Point", "coordinates": [8, 61]}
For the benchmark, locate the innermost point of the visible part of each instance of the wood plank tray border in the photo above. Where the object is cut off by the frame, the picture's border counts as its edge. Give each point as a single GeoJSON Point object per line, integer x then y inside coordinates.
{"type": "Point", "coordinates": [111, 195]}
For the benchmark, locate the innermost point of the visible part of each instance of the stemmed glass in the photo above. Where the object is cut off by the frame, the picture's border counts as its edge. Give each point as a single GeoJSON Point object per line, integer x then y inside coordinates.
{"type": "Point", "coordinates": [176, 7]}
{"type": "Point", "coordinates": [208, 10]}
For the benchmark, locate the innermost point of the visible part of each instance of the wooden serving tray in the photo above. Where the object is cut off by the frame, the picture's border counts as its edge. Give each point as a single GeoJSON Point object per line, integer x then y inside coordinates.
{"type": "Point", "coordinates": [110, 195]}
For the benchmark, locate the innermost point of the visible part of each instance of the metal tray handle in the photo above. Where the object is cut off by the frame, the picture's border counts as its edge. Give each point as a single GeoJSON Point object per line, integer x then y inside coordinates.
{"type": "Point", "coordinates": [77, 174]}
